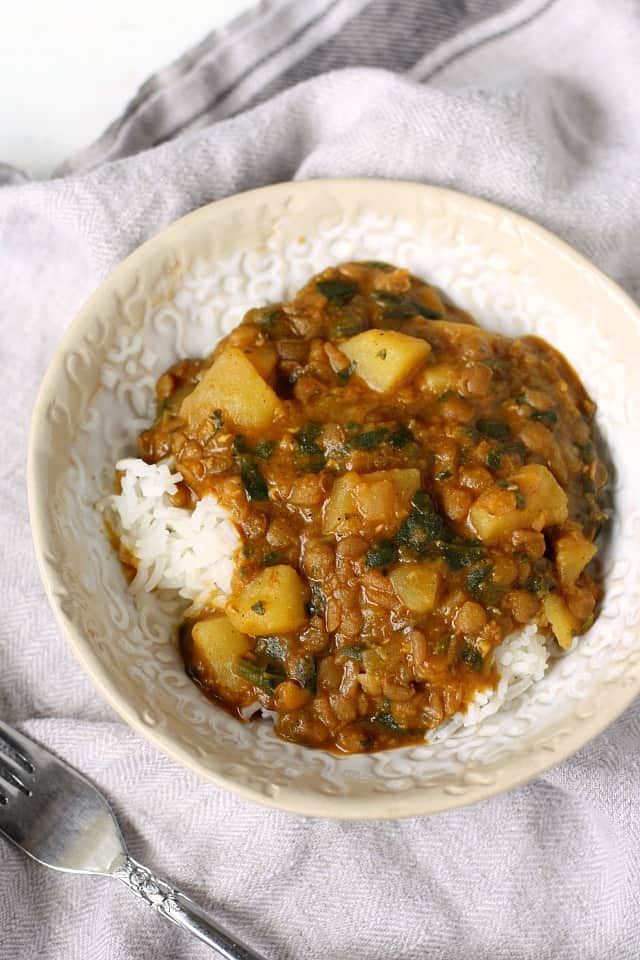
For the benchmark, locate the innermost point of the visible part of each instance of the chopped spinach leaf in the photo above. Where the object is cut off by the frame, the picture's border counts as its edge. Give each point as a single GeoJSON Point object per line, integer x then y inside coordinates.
{"type": "Point", "coordinates": [258, 608]}
{"type": "Point", "coordinates": [259, 676]}
{"type": "Point", "coordinates": [384, 718]}
{"type": "Point", "coordinates": [443, 645]}
{"type": "Point", "coordinates": [494, 429]}
{"type": "Point", "coordinates": [477, 579]}
{"type": "Point", "coordinates": [217, 419]}
{"type": "Point", "coordinates": [305, 672]}
{"type": "Point", "coordinates": [382, 554]}
{"type": "Point", "coordinates": [239, 445]}
{"type": "Point", "coordinates": [494, 458]}
{"type": "Point", "coordinates": [315, 464]}
{"type": "Point", "coordinates": [545, 416]}
{"type": "Point", "coordinates": [266, 317]}
{"type": "Point", "coordinates": [318, 601]}
{"type": "Point", "coordinates": [463, 553]}
{"type": "Point", "coordinates": [346, 373]}
{"type": "Point", "coordinates": [587, 451]}
{"type": "Point", "coordinates": [535, 584]}
{"type": "Point", "coordinates": [307, 436]}
{"type": "Point", "coordinates": [443, 474]}
{"type": "Point", "coordinates": [424, 528]}
{"type": "Point", "coordinates": [271, 647]}
{"type": "Point", "coordinates": [264, 449]}
{"type": "Point", "coordinates": [368, 440]}
{"type": "Point", "coordinates": [400, 438]}
{"type": "Point", "coordinates": [521, 501]}
{"type": "Point", "coordinates": [347, 324]}
{"type": "Point", "coordinates": [371, 439]}
{"type": "Point", "coordinates": [481, 586]}
{"type": "Point", "coordinates": [394, 308]}
{"type": "Point", "coordinates": [509, 448]}
{"type": "Point", "coordinates": [382, 354]}
{"type": "Point", "coordinates": [337, 291]}
{"type": "Point", "coordinates": [354, 653]}
{"type": "Point", "coordinates": [472, 657]}
{"type": "Point", "coordinates": [254, 483]}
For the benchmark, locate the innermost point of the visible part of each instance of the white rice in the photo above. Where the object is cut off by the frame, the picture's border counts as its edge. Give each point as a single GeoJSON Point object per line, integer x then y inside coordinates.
{"type": "Point", "coordinates": [191, 552]}
{"type": "Point", "coordinates": [521, 660]}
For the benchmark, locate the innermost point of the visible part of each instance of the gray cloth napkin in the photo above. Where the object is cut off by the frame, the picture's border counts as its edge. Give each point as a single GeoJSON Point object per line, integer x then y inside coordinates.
{"type": "Point", "coordinates": [533, 104]}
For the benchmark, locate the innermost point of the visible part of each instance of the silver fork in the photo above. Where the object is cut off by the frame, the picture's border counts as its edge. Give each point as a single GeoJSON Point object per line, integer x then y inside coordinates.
{"type": "Point", "coordinates": [57, 817]}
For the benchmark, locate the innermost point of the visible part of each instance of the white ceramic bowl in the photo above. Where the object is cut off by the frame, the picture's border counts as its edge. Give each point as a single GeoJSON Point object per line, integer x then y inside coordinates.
{"type": "Point", "coordinates": [176, 296]}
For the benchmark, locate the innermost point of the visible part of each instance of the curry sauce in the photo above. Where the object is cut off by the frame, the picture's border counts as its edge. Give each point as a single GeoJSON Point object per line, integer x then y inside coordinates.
{"type": "Point", "coordinates": [409, 489]}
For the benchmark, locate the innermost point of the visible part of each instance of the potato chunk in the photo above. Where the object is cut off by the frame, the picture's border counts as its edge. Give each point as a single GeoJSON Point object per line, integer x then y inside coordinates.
{"type": "Point", "coordinates": [216, 646]}
{"type": "Point", "coordinates": [385, 358]}
{"type": "Point", "coordinates": [439, 378]}
{"type": "Point", "coordinates": [573, 553]}
{"type": "Point", "coordinates": [274, 602]}
{"type": "Point", "coordinates": [416, 584]}
{"type": "Point", "coordinates": [562, 621]}
{"type": "Point", "coordinates": [539, 499]}
{"type": "Point", "coordinates": [375, 501]}
{"type": "Point", "coordinates": [264, 358]}
{"type": "Point", "coordinates": [232, 384]}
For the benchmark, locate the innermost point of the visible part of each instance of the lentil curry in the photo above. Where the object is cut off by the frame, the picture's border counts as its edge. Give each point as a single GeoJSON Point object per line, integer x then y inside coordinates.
{"type": "Point", "coordinates": [409, 489]}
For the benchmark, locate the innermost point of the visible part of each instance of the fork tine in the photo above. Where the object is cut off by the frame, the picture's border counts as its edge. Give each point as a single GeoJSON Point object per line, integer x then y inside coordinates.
{"type": "Point", "coordinates": [10, 775]}
{"type": "Point", "coordinates": [17, 746]}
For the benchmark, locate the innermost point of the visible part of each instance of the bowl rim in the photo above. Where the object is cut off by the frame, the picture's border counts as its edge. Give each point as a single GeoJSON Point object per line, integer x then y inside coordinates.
{"type": "Point", "coordinates": [290, 798]}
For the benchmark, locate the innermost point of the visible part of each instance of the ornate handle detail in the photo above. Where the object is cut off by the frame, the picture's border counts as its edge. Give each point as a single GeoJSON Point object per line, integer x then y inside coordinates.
{"type": "Point", "coordinates": [181, 910]}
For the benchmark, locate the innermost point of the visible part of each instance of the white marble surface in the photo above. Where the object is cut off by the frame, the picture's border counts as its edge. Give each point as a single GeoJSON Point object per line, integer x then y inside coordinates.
{"type": "Point", "coordinates": [67, 69]}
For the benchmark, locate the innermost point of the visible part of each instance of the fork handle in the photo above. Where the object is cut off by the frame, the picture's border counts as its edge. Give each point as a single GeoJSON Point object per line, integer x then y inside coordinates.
{"type": "Point", "coordinates": [182, 911]}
